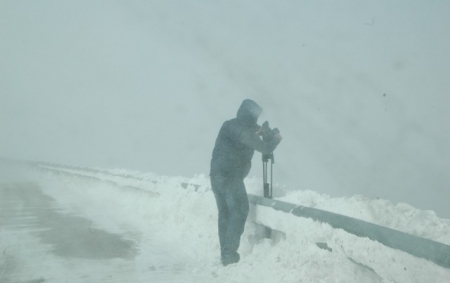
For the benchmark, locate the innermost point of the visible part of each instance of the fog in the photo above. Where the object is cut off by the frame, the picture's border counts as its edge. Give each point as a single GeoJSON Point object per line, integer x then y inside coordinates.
{"type": "Point", "coordinates": [358, 90]}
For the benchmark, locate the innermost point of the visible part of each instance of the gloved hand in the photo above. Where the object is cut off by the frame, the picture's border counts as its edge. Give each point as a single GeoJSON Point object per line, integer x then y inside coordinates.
{"type": "Point", "coordinates": [269, 134]}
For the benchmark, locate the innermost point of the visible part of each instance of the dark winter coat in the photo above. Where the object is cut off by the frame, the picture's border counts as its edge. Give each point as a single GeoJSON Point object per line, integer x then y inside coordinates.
{"type": "Point", "coordinates": [237, 142]}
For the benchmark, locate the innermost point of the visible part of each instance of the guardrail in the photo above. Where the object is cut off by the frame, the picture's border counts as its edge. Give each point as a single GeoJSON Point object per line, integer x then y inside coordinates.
{"type": "Point", "coordinates": [424, 248]}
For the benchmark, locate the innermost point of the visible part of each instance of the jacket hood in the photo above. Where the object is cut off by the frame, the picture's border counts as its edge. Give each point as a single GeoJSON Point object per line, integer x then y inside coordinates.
{"type": "Point", "coordinates": [249, 111]}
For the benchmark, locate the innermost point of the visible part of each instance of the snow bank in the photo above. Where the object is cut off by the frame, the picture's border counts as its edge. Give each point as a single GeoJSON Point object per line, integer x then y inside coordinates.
{"type": "Point", "coordinates": [176, 228]}
{"type": "Point", "coordinates": [400, 216]}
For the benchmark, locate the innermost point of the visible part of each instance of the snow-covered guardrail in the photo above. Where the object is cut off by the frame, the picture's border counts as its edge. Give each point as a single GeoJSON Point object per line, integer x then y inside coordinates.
{"type": "Point", "coordinates": [433, 251]}
{"type": "Point", "coordinates": [424, 248]}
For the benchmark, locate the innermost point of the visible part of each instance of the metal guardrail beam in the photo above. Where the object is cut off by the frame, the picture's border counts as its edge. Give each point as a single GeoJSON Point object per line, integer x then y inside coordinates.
{"type": "Point", "coordinates": [424, 248]}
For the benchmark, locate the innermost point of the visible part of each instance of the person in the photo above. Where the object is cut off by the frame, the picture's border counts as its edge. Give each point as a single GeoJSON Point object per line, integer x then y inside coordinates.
{"type": "Point", "coordinates": [234, 148]}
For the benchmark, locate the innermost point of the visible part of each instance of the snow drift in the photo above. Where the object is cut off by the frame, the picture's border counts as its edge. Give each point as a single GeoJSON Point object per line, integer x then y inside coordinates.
{"type": "Point", "coordinates": [174, 224]}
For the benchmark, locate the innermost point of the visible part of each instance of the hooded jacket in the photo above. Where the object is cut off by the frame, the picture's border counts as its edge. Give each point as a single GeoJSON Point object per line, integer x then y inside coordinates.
{"type": "Point", "coordinates": [237, 141]}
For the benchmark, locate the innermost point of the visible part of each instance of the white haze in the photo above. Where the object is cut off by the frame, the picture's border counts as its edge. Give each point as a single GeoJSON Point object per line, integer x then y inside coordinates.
{"type": "Point", "coordinates": [358, 90]}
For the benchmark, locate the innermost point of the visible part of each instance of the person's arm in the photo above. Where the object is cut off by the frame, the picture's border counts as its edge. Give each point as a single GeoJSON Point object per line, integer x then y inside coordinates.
{"type": "Point", "coordinates": [254, 141]}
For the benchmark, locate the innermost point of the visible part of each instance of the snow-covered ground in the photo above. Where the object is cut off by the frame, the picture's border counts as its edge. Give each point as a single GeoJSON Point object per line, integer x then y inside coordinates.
{"type": "Point", "coordinates": [171, 232]}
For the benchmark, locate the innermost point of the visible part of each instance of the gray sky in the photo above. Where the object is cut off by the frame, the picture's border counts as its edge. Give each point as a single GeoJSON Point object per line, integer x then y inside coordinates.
{"type": "Point", "coordinates": [359, 90]}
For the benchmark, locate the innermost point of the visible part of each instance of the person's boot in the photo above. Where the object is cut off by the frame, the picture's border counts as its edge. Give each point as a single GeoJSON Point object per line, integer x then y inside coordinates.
{"type": "Point", "coordinates": [229, 259]}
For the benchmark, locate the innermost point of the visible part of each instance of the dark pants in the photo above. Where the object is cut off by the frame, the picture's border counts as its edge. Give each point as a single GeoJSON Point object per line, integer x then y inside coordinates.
{"type": "Point", "coordinates": [232, 203]}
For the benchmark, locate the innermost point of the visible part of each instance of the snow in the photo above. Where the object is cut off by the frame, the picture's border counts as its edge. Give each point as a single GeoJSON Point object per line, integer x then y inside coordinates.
{"type": "Point", "coordinates": [400, 216]}
{"type": "Point", "coordinates": [175, 229]}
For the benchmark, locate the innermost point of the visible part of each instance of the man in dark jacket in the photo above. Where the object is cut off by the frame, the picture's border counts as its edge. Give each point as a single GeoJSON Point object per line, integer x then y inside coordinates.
{"type": "Point", "coordinates": [231, 162]}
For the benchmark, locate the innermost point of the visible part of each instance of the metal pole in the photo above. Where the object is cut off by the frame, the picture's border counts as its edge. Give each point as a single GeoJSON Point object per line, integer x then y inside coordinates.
{"type": "Point", "coordinates": [268, 187]}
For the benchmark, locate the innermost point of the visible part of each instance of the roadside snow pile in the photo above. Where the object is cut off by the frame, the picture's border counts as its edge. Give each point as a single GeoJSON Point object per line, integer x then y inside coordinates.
{"type": "Point", "coordinates": [401, 216]}
{"type": "Point", "coordinates": [174, 222]}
